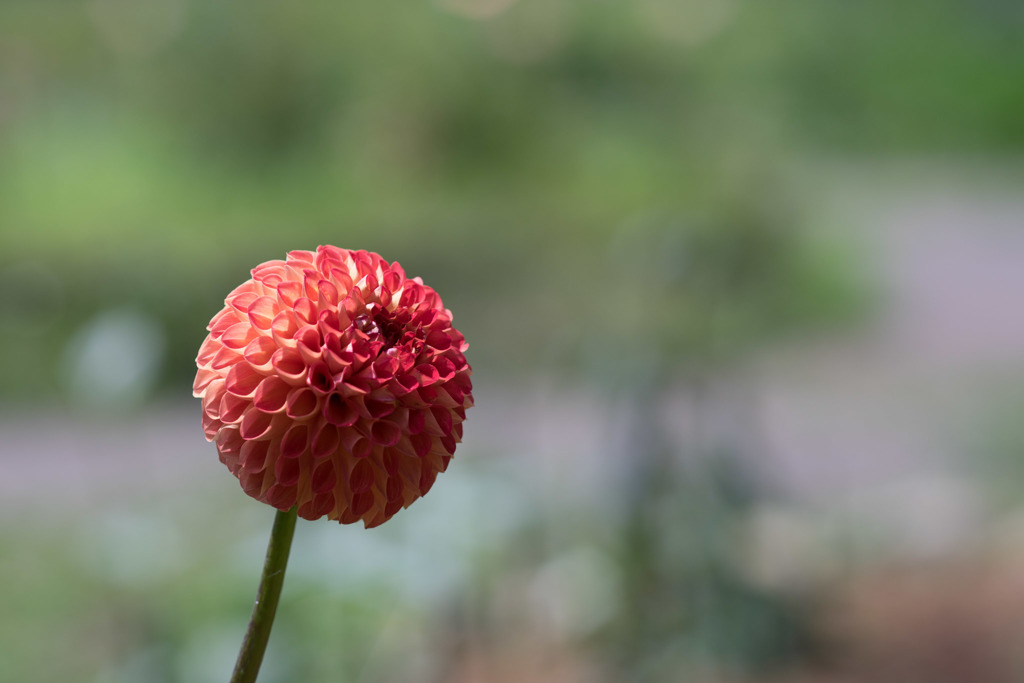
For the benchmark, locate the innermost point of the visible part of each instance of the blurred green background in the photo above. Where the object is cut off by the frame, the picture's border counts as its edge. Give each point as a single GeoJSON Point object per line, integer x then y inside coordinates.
{"type": "Point", "coordinates": [741, 282]}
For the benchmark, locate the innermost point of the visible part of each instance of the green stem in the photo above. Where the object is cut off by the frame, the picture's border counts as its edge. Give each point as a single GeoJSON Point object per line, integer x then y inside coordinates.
{"type": "Point", "coordinates": [251, 655]}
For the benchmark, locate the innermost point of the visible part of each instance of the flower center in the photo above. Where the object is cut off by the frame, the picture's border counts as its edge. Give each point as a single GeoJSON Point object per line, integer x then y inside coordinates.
{"type": "Point", "coordinates": [390, 330]}
{"type": "Point", "coordinates": [377, 322]}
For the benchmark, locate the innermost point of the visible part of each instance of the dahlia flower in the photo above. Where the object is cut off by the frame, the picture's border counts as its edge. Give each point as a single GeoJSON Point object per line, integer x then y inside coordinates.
{"type": "Point", "coordinates": [332, 382]}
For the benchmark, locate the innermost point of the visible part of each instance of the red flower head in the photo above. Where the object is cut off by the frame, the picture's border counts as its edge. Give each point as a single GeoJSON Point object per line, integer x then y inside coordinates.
{"type": "Point", "coordinates": [333, 382]}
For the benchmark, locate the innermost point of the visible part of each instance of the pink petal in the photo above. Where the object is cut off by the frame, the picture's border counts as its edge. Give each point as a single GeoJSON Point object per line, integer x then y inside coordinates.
{"type": "Point", "coordinates": [427, 479]}
{"type": "Point", "coordinates": [328, 293]}
{"type": "Point", "coordinates": [301, 404]}
{"type": "Point", "coordinates": [288, 365]}
{"type": "Point", "coordinates": [287, 471]}
{"type": "Point", "coordinates": [259, 351]}
{"type": "Point", "coordinates": [262, 312]}
{"type": "Point", "coordinates": [238, 335]}
{"type": "Point", "coordinates": [443, 416]}
{"type": "Point", "coordinates": [231, 408]}
{"type": "Point", "coordinates": [294, 442]}
{"type": "Point", "coordinates": [361, 477]}
{"type": "Point", "coordinates": [422, 444]}
{"type": "Point", "coordinates": [439, 340]}
{"type": "Point", "coordinates": [282, 496]}
{"type": "Point", "coordinates": [255, 424]}
{"type": "Point", "coordinates": [207, 350]}
{"type": "Point", "coordinates": [288, 293]}
{"type": "Point", "coordinates": [300, 256]}
{"type": "Point", "coordinates": [254, 455]}
{"type": "Point", "coordinates": [225, 357]}
{"type": "Point", "coordinates": [305, 311]}
{"type": "Point", "coordinates": [203, 380]}
{"type": "Point", "coordinates": [376, 409]}
{"type": "Point", "coordinates": [385, 433]}
{"type": "Point", "coordinates": [362, 503]}
{"type": "Point", "coordinates": [324, 478]}
{"type": "Point", "coordinates": [242, 380]}
{"type": "Point", "coordinates": [283, 329]}
{"type": "Point", "coordinates": [325, 440]}
{"type": "Point", "coordinates": [417, 421]}
{"type": "Point", "coordinates": [271, 394]}
{"type": "Point", "coordinates": [317, 507]}
{"type": "Point", "coordinates": [395, 488]}
{"type": "Point", "coordinates": [339, 412]}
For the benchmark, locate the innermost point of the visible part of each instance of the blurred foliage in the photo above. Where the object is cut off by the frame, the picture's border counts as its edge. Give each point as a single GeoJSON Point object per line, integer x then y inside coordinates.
{"type": "Point", "coordinates": [700, 290]}
{"type": "Point", "coordinates": [151, 152]}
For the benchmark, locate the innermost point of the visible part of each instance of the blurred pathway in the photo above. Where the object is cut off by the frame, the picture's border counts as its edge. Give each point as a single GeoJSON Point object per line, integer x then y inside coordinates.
{"type": "Point", "coordinates": [890, 422]}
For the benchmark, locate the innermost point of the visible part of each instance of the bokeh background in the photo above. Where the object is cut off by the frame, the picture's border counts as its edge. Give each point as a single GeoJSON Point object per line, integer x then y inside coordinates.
{"type": "Point", "coordinates": [743, 285]}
